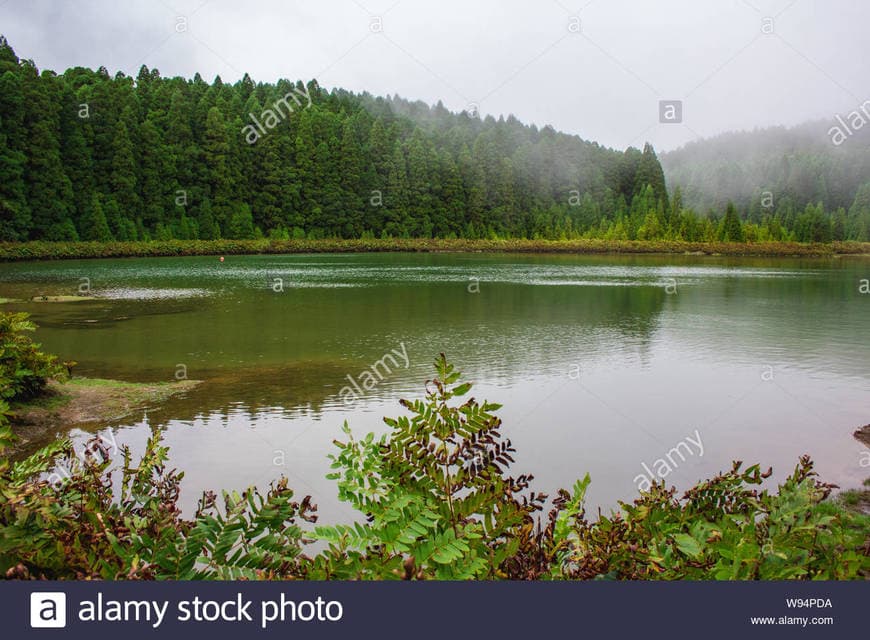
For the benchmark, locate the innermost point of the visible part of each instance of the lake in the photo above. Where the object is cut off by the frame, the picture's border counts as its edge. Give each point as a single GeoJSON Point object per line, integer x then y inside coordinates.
{"type": "Point", "coordinates": [604, 364]}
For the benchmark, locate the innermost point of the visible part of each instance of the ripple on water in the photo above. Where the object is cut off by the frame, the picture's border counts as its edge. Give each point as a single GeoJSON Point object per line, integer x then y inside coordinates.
{"type": "Point", "coordinates": [129, 293]}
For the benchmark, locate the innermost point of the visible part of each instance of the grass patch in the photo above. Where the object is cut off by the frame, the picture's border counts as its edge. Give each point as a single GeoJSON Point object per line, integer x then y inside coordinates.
{"type": "Point", "coordinates": [52, 398]}
{"type": "Point", "coordinates": [856, 500]}
{"type": "Point", "coordinates": [851, 498]}
{"type": "Point", "coordinates": [87, 400]}
{"type": "Point", "coordinates": [60, 298]}
{"type": "Point", "coordinates": [104, 382]}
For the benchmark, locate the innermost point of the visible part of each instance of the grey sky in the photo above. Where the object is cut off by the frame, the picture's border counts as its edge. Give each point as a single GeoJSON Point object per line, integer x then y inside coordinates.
{"type": "Point", "coordinates": [526, 58]}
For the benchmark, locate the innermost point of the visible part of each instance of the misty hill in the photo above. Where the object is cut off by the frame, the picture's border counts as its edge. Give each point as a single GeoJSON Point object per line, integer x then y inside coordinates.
{"type": "Point", "coordinates": [796, 166]}
{"type": "Point", "coordinates": [87, 155]}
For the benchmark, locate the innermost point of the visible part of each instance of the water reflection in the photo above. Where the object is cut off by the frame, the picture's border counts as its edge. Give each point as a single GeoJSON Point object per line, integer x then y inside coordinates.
{"type": "Point", "coordinates": [651, 365]}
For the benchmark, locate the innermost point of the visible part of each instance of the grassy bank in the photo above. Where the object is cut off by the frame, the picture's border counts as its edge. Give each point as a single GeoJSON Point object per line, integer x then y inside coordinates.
{"type": "Point", "coordinates": [81, 401]}
{"type": "Point", "coordinates": [69, 250]}
{"type": "Point", "coordinates": [858, 500]}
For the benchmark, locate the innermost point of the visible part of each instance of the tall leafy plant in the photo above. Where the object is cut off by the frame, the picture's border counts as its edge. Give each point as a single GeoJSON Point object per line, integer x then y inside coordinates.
{"type": "Point", "coordinates": [435, 494]}
{"type": "Point", "coordinates": [63, 517]}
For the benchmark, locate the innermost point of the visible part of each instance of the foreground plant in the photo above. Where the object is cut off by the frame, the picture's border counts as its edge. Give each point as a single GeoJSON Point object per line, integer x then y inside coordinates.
{"type": "Point", "coordinates": [436, 499]}
{"type": "Point", "coordinates": [62, 517]}
{"type": "Point", "coordinates": [723, 528]}
{"type": "Point", "coordinates": [435, 502]}
{"type": "Point", "coordinates": [24, 369]}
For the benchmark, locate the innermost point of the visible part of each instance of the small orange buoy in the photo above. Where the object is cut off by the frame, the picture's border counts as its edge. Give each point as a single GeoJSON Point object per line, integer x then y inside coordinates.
{"type": "Point", "coordinates": [222, 258]}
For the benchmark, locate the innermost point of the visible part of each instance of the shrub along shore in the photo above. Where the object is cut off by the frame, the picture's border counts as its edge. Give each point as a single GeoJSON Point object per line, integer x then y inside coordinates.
{"type": "Point", "coordinates": [15, 251]}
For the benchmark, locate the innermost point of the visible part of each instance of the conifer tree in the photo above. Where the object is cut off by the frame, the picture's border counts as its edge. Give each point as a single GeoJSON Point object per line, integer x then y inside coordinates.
{"type": "Point", "coordinates": [205, 222]}
{"type": "Point", "coordinates": [172, 157]}
{"type": "Point", "coordinates": [49, 191]}
{"type": "Point", "coordinates": [94, 224]}
{"type": "Point", "coordinates": [124, 168]}
{"type": "Point", "coordinates": [14, 212]}
{"type": "Point", "coordinates": [215, 151]}
{"type": "Point", "coordinates": [732, 230]}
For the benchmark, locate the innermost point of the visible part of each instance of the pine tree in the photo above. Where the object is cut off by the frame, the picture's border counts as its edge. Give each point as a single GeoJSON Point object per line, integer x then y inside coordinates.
{"type": "Point", "coordinates": [215, 151]}
{"type": "Point", "coordinates": [332, 217]}
{"type": "Point", "coordinates": [183, 158]}
{"type": "Point", "coordinates": [396, 198]}
{"type": "Point", "coordinates": [175, 158]}
{"type": "Point", "coordinates": [102, 117]}
{"type": "Point", "coordinates": [76, 152]}
{"type": "Point", "coordinates": [156, 175]}
{"type": "Point", "coordinates": [12, 108]}
{"type": "Point", "coordinates": [732, 230]}
{"type": "Point", "coordinates": [94, 224]}
{"type": "Point", "coordinates": [451, 198]}
{"type": "Point", "coordinates": [649, 172]}
{"type": "Point", "coordinates": [859, 215]}
{"type": "Point", "coordinates": [14, 212]}
{"type": "Point", "coordinates": [419, 187]}
{"type": "Point", "coordinates": [351, 172]}
{"type": "Point", "coordinates": [49, 192]}
{"type": "Point", "coordinates": [306, 171]}
{"type": "Point", "coordinates": [380, 148]}
{"type": "Point", "coordinates": [474, 184]}
{"type": "Point", "coordinates": [273, 198]}
{"type": "Point", "coordinates": [241, 225]}
{"type": "Point", "coordinates": [208, 230]}
{"type": "Point", "coordinates": [123, 181]}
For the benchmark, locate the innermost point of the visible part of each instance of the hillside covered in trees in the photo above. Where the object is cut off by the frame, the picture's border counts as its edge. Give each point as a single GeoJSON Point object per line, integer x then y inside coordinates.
{"type": "Point", "coordinates": [85, 155]}
{"type": "Point", "coordinates": [781, 172]}
{"type": "Point", "coordinates": [89, 156]}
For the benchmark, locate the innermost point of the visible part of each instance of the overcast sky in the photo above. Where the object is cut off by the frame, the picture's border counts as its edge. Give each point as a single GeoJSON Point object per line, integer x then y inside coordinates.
{"type": "Point", "coordinates": [595, 68]}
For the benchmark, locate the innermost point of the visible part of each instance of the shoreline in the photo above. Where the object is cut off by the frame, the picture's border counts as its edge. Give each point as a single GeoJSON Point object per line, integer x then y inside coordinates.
{"type": "Point", "coordinates": [88, 402]}
{"type": "Point", "coordinates": [85, 401]}
{"type": "Point", "coordinates": [39, 250]}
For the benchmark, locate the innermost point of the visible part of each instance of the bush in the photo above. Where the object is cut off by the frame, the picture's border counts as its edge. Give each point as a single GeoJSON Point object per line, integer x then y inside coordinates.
{"type": "Point", "coordinates": [721, 529]}
{"type": "Point", "coordinates": [436, 499]}
{"type": "Point", "coordinates": [435, 502]}
{"type": "Point", "coordinates": [62, 517]}
{"type": "Point", "coordinates": [24, 369]}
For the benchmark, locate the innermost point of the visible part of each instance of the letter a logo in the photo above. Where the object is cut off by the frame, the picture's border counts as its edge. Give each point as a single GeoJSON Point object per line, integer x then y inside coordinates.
{"type": "Point", "coordinates": [48, 610]}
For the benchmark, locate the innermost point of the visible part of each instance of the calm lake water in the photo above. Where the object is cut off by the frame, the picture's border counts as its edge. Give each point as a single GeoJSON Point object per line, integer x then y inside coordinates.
{"type": "Point", "coordinates": [603, 363]}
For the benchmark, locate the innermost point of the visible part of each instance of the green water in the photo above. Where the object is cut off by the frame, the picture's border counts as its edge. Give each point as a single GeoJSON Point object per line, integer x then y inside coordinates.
{"type": "Point", "coordinates": [602, 363]}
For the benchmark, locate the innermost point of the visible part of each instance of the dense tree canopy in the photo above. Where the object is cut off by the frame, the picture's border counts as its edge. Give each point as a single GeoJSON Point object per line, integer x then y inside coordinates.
{"type": "Point", "coordinates": [86, 155]}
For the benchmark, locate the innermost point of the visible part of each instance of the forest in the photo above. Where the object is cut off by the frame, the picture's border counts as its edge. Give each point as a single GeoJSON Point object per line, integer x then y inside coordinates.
{"type": "Point", "coordinates": [85, 155]}
{"type": "Point", "coordinates": [779, 171]}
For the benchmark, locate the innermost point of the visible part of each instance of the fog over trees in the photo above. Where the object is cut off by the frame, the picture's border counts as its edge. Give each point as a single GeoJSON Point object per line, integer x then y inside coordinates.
{"type": "Point", "coordinates": [780, 171]}
{"type": "Point", "coordinates": [85, 155]}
